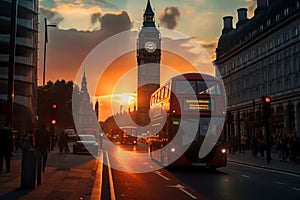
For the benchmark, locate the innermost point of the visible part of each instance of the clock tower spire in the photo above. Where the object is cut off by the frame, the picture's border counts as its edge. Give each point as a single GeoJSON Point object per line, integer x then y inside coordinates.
{"type": "Point", "coordinates": [148, 59]}
{"type": "Point", "coordinates": [83, 83]}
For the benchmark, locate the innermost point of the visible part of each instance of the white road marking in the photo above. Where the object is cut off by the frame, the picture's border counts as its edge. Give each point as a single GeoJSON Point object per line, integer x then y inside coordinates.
{"type": "Point", "coordinates": [296, 189]}
{"type": "Point", "coordinates": [161, 175]}
{"type": "Point", "coordinates": [280, 183]}
{"type": "Point", "coordinates": [264, 169]}
{"type": "Point", "coordinates": [180, 187]}
{"type": "Point", "coordinates": [111, 183]}
{"type": "Point", "coordinates": [245, 176]}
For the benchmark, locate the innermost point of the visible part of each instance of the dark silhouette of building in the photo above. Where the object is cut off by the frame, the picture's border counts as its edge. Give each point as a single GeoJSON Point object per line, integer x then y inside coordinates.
{"type": "Point", "coordinates": [148, 59]}
{"type": "Point", "coordinates": [261, 56]}
{"type": "Point", "coordinates": [25, 61]}
{"type": "Point", "coordinates": [84, 116]}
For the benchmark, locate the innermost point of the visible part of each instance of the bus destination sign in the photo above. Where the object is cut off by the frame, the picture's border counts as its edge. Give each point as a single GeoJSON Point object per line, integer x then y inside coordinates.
{"type": "Point", "coordinates": [197, 104]}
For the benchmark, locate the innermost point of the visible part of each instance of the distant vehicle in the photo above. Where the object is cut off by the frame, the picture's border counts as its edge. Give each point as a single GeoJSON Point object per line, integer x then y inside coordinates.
{"type": "Point", "coordinates": [129, 135]}
{"type": "Point", "coordinates": [85, 143]}
{"type": "Point", "coordinates": [71, 134]}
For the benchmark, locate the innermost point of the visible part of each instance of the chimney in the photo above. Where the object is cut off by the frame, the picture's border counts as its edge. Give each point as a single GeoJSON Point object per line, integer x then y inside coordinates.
{"type": "Point", "coordinates": [227, 24]}
{"type": "Point", "coordinates": [242, 16]}
{"type": "Point", "coordinates": [261, 5]}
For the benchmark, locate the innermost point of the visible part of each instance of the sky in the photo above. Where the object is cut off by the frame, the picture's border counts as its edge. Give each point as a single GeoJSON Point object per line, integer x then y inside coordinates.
{"type": "Point", "coordinates": [82, 25]}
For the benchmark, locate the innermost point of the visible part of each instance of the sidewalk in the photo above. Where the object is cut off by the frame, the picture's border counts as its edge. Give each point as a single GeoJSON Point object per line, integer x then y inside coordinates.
{"type": "Point", "coordinates": [65, 178]}
{"type": "Point", "coordinates": [275, 163]}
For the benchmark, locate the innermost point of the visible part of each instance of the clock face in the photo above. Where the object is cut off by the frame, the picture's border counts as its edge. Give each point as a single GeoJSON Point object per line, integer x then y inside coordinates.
{"type": "Point", "coordinates": [150, 47]}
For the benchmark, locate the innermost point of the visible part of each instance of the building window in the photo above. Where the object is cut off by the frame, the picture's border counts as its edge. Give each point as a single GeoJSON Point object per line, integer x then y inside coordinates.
{"type": "Point", "coordinates": [286, 11]}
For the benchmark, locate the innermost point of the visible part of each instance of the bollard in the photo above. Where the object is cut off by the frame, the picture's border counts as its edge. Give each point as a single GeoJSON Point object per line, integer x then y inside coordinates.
{"type": "Point", "coordinates": [29, 169]}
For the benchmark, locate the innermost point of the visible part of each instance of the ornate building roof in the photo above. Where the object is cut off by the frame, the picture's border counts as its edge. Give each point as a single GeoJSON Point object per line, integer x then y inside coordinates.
{"type": "Point", "coordinates": [265, 16]}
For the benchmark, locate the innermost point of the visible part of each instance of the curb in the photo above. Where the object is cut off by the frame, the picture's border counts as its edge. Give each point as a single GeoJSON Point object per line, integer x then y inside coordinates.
{"type": "Point", "coordinates": [98, 169]}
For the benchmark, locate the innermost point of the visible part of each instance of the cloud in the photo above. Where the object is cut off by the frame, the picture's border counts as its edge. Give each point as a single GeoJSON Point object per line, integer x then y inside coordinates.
{"type": "Point", "coordinates": [115, 22]}
{"type": "Point", "coordinates": [187, 10]}
{"type": "Point", "coordinates": [95, 17]}
{"type": "Point", "coordinates": [106, 4]}
{"type": "Point", "coordinates": [251, 7]}
{"type": "Point", "coordinates": [210, 47]}
{"type": "Point", "coordinates": [67, 49]}
{"type": "Point", "coordinates": [209, 44]}
{"type": "Point", "coordinates": [169, 18]}
{"type": "Point", "coordinates": [53, 17]}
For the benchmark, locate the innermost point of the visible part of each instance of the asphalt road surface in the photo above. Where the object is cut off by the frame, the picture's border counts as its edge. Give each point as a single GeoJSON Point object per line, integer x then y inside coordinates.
{"type": "Point", "coordinates": [238, 181]}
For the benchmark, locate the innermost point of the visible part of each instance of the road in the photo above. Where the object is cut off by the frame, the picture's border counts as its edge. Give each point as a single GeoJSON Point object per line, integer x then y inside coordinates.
{"type": "Point", "coordinates": [155, 184]}
{"type": "Point", "coordinates": [238, 181]}
{"type": "Point", "coordinates": [235, 181]}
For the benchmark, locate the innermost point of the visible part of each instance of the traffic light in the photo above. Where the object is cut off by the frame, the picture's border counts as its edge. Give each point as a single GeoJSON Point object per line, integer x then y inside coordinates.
{"type": "Point", "coordinates": [53, 113]}
{"type": "Point", "coordinates": [266, 106]}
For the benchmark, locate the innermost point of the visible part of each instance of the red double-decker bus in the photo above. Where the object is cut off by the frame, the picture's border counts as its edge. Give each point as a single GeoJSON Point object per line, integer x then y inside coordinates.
{"type": "Point", "coordinates": [187, 115]}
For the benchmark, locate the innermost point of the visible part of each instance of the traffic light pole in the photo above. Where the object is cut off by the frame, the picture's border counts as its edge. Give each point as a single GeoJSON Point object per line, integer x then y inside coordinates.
{"type": "Point", "coordinates": [268, 138]}
{"type": "Point", "coordinates": [266, 105]}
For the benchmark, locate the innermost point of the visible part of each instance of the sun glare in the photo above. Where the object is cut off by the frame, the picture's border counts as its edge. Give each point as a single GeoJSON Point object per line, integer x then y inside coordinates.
{"type": "Point", "coordinates": [125, 98]}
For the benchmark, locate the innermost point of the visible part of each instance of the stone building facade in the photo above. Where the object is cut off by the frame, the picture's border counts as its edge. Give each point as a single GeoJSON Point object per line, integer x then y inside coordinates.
{"type": "Point", "coordinates": [261, 57]}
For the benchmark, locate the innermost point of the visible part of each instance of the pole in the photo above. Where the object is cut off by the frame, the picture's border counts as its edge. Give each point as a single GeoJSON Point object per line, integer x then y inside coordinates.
{"type": "Point", "coordinates": [45, 43]}
{"type": "Point", "coordinates": [12, 56]}
{"type": "Point", "coordinates": [45, 48]}
{"type": "Point", "coordinates": [268, 138]}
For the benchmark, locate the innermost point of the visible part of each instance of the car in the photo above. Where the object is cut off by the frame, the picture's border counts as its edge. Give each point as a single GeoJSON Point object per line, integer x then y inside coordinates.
{"type": "Point", "coordinates": [70, 134]}
{"type": "Point", "coordinates": [85, 143]}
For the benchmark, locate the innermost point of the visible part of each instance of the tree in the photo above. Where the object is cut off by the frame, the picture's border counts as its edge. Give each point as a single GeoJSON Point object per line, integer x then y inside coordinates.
{"type": "Point", "coordinates": [60, 94]}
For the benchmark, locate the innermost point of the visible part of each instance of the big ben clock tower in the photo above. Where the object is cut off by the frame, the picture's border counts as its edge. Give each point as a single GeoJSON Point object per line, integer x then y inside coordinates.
{"type": "Point", "coordinates": [148, 59]}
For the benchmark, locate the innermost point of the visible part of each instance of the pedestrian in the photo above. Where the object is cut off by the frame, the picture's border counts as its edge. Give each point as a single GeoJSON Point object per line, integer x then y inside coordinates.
{"type": "Point", "coordinates": [43, 144]}
{"type": "Point", "coordinates": [28, 142]}
{"type": "Point", "coordinates": [293, 144]}
{"type": "Point", "coordinates": [243, 142]}
{"type": "Point", "coordinates": [18, 140]}
{"type": "Point", "coordinates": [52, 139]}
{"type": "Point", "coordinates": [63, 143]}
{"type": "Point", "coordinates": [284, 148]}
{"type": "Point", "coordinates": [6, 146]}
{"type": "Point", "coordinates": [262, 146]}
{"type": "Point", "coordinates": [254, 146]}
{"type": "Point", "coordinates": [232, 142]}
{"type": "Point", "coordinates": [279, 147]}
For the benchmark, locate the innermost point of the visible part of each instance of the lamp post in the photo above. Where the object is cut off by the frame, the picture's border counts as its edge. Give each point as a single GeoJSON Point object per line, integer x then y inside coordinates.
{"type": "Point", "coordinates": [45, 44]}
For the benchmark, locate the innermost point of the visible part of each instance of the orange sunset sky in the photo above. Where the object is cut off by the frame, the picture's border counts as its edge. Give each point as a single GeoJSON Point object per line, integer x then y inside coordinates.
{"type": "Point", "coordinates": [84, 24]}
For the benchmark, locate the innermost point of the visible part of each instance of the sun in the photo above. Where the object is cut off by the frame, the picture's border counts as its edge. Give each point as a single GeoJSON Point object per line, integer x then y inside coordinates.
{"type": "Point", "coordinates": [125, 98]}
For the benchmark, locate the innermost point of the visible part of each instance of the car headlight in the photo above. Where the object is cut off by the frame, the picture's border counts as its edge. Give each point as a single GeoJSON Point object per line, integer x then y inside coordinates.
{"type": "Point", "coordinates": [223, 150]}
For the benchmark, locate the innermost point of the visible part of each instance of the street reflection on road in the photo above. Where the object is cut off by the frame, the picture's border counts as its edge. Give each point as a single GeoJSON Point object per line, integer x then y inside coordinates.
{"type": "Point", "coordinates": [129, 158]}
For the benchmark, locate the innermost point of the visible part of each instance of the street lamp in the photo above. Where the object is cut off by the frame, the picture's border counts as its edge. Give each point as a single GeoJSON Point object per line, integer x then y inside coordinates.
{"type": "Point", "coordinates": [45, 43]}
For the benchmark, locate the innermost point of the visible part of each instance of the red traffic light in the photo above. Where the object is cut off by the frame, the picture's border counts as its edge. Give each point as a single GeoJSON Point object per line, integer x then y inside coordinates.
{"type": "Point", "coordinates": [267, 99]}
{"type": "Point", "coordinates": [54, 106]}
{"type": "Point", "coordinates": [53, 121]}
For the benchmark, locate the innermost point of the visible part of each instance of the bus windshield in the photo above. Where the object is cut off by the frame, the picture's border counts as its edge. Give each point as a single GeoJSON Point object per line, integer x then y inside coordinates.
{"type": "Point", "coordinates": [197, 87]}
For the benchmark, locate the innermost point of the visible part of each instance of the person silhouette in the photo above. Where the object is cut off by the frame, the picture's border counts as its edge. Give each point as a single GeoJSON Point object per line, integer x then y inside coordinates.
{"type": "Point", "coordinates": [6, 146]}
{"type": "Point", "coordinates": [43, 144]}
